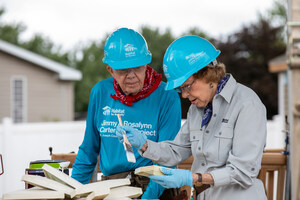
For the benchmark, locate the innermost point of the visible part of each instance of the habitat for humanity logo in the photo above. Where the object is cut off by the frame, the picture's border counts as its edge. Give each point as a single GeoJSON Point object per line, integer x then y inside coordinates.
{"type": "Point", "coordinates": [106, 110]}
{"type": "Point", "coordinates": [130, 50]}
{"type": "Point", "coordinates": [111, 111]}
{"type": "Point", "coordinates": [192, 58]}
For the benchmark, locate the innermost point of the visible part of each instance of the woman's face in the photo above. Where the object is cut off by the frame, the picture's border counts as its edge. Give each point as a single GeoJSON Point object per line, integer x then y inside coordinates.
{"type": "Point", "coordinates": [198, 91]}
{"type": "Point", "coordinates": [130, 80]}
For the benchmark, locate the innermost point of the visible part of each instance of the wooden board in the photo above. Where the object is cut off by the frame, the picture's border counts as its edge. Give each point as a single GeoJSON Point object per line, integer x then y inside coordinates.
{"type": "Point", "coordinates": [124, 192]}
{"type": "Point", "coordinates": [88, 188]}
{"type": "Point", "coordinates": [48, 184]}
{"type": "Point", "coordinates": [100, 193]}
{"type": "Point", "coordinates": [148, 170]}
{"type": "Point", "coordinates": [34, 194]}
{"type": "Point", "coordinates": [56, 175]}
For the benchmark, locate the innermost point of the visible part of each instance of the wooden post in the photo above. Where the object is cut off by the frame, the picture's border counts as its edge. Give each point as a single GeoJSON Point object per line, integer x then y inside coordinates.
{"type": "Point", "coordinates": [296, 150]}
{"type": "Point", "coordinates": [293, 52]}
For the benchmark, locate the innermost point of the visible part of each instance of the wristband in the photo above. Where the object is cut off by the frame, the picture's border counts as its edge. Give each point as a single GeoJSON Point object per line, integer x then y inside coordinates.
{"type": "Point", "coordinates": [199, 181]}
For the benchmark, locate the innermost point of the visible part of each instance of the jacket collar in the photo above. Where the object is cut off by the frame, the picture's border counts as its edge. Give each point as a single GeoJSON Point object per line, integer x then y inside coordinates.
{"type": "Point", "coordinates": [228, 89]}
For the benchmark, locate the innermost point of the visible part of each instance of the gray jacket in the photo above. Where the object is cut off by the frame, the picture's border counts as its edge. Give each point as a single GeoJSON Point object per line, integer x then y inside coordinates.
{"type": "Point", "coordinates": [229, 147]}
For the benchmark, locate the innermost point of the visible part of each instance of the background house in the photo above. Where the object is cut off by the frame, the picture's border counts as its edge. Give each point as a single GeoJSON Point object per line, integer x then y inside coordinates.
{"type": "Point", "coordinates": [34, 88]}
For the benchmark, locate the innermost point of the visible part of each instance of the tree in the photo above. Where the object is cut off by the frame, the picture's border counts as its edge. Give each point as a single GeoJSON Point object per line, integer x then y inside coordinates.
{"type": "Point", "coordinates": [157, 43]}
{"type": "Point", "coordinates": [93, 70]}
{"type": "Point", "coordinates": [45, 47]}
{"type": "Point", "coordinates": [246, 55]}
{"type": "Point", "coordinates": [10, 32]}
{"type": "Point", "coordinates": [38, 43]}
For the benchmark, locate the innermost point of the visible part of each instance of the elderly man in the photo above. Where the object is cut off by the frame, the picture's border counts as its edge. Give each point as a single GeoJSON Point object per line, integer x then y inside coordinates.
{"type": "Point", "coordinates": [136, 92]}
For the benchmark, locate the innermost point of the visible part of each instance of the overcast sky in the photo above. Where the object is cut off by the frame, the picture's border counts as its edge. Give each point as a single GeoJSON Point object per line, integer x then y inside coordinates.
{"type": "Point", "coordinates": [67, 22]}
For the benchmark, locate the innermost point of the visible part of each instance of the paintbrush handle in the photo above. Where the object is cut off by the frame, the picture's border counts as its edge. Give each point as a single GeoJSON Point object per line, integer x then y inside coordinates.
{"type": "Point", "coordinates": [124, 132]}
{"type": "Point", "coordinates": [125, 138]}
{"type": "Point", "coordinates": [120, 120]}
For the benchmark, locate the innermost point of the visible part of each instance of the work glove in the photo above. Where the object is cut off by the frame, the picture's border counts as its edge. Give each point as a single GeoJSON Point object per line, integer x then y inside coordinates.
{"type": "Point", "coordinates": [173, 178]}
{"type": "Point", "coordinates": [135, 137]}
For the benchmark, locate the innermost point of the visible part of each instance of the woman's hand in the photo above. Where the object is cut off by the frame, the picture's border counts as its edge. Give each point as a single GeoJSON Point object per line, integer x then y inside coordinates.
{"type": "Point", "coordinates": [173, 178]}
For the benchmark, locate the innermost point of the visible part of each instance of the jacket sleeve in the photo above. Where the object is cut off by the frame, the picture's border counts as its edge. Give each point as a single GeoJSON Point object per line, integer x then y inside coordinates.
{"type": "Point", "coordinates": [88, 152]}
{"type": "Point", "coordinates": [249, 139]}
{"type": "Point", "coordinates": [171, 153]}
{"type": "Point", "coordinates": [169, 125]}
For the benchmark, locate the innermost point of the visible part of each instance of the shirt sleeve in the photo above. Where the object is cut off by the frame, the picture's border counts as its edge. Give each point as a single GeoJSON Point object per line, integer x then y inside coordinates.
{"type": "Point", "coordinates": [171, 153]}
{"type": "Point", "coordinates": [249, 139]}
{"type": "Point", "coordinates": [88, 152]}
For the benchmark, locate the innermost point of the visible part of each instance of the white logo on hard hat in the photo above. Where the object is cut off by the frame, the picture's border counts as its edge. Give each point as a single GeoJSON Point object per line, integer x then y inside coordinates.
{"type": "Point", "coordinates": [129, 47]}
{"type": "Point", "coordinates": [165, 67]}
{"type": "Point", "coordinates": [192, 58]}
{"type": "Point", "coordinates": [130, 50]}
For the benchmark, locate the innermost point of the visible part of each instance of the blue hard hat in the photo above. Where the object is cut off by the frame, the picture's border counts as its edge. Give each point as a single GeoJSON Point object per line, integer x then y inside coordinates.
{"type": "Point", "coordinates": [126, 48]}
{"type": "Point", "coordinates": [186, 56]}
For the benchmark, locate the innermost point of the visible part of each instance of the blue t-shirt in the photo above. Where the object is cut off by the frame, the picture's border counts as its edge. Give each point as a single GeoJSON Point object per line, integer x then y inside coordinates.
{"type": "Point", "coordinates": [158, 116]}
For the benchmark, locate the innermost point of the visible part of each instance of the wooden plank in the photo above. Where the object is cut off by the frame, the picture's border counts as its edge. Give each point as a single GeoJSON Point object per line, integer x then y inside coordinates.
{"type": "Point", "coordinates": [89, 188]}
{"type": "Point", "coordinates": [273, 159]}
{"type": "Point", "coordinates": [262, 176]}
{"type": "Point", "coordinates": [273, 150]}
{"type": "Point", "coordinates": [34, 194]}
{"type": "Point", "coordinates": [271, 167]}
{"type": "Point", "coordinates": [48, 184]}
{"type": "Point", "coordinates": [59, 176]}
{"type": "Point", "coordinates": [124, 191]}
{"type": "Point", "coordinates": [270, 190]}
{"type": "Point", "coordinates": [148, 170]}
{"type": "Point", "coordinates": [280, 183]}
{"type": "Point", "coordinates": [100, 193]}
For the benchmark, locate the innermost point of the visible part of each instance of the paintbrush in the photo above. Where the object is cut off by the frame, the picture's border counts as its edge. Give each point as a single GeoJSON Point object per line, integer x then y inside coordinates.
{"type": "Point", "coordinates": [127, 146]}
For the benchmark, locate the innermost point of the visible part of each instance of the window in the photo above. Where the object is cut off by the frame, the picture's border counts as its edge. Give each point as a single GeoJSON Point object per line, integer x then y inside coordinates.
{"type": "Point", "coordinates": [18, 98]}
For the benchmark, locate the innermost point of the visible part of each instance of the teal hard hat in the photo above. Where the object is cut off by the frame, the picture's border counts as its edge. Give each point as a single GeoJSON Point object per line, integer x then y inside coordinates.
{"type": "Point", "coordinates": [186, 56]}
{"type": "Point", "coordinates": [126, 48]}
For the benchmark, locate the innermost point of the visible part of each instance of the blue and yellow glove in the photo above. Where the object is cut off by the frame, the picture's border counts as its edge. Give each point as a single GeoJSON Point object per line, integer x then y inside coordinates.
{"type": "Point", "coordinates": [173, 178]}
{"type": "Point", "coordinates": [135, 137]}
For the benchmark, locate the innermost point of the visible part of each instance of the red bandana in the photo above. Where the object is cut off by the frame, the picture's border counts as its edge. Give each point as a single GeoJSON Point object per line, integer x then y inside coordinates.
{"type": "Point", "coordinates": [152, 81]}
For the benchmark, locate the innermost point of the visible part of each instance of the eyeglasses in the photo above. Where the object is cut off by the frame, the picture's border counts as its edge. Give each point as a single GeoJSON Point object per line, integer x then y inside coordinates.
{"type": "Point", "coordinates": [185, 88]}
{"type": "Point", "coordinates": [123, 72]}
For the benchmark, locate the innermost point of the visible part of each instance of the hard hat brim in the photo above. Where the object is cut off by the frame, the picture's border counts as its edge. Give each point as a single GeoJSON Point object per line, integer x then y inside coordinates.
{"type": "Point", "coordinates": [128, 63]}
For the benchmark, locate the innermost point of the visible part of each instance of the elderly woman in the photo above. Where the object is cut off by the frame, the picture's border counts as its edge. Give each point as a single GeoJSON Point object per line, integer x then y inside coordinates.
{"type": "Point", "coordinates": [225, 130]}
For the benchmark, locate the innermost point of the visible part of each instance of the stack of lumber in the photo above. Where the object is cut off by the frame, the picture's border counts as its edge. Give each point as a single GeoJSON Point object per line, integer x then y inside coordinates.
{"type": "Point", "coordinates": [58, 185]}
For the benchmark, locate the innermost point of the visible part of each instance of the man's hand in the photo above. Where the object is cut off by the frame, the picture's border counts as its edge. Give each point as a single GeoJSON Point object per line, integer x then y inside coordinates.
{"type": "Point", "coordinates": [135, 137]}
{"type": "Point", "coordinates": [173, 178]}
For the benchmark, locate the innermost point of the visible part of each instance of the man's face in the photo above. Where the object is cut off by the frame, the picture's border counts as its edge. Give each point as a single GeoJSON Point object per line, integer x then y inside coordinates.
{"type": "Point", "coordinates": [130, 80]}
